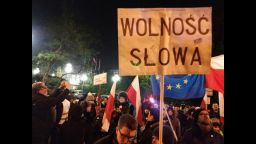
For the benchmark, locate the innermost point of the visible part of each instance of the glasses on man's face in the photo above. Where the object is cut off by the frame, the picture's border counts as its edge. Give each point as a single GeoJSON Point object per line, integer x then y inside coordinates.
{"type": "Point", "coordinates": [130, 139]}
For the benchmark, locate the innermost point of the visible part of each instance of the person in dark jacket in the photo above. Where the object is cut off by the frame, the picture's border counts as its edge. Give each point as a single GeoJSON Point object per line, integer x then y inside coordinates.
{"type": "Point", "coordinates": [42, 106]}
{"type": "Point", "coordinates": [73, 131]}
{"type": "Point", "coordinates": [124, 134]}
{"type": "Point", "coordinates": [59, 108]}
{"type": "Point", "coordinates": [202, 131]}
{"type": "Point", "coordinates": [62, 110]}
{"type": "Point", "coordinates": [215, 113]}
{"type": "Point", "coordinates": [151, 123]}
{"type": "Point", "coordinates": [90, 119]}
{"type": "Point", "coordinates": [124, 105]}
{"type": "Point", "coordinates": [175, 123]}
{"type": "Point", "coordinates": [167, 135]}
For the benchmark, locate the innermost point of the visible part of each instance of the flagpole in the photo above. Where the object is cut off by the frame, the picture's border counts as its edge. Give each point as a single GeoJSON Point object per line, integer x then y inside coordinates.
{"type": "Point", "coordinates": [161, 108]}
{"type": "Point", "coordinates": [174, 133]}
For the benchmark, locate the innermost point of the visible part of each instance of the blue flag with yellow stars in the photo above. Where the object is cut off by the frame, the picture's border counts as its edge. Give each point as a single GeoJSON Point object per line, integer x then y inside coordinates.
{"type": "Point", "coordinates": [180, 86]}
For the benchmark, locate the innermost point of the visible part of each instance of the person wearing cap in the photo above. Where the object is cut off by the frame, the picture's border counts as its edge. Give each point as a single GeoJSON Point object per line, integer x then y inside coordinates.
{"type": "Point", "coordinates": [42, 105]}
{"type": "Point", "coordinates": [152, 121]}
{"type": "Point", "coordinates": [124, 105]}
{"type": "Point", "coordinates": [202, 131]}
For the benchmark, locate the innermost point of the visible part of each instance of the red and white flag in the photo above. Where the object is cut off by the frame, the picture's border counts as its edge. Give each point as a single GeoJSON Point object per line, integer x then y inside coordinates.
{"type": "Point", "coordinates": [133, 92]}
{"type": "Point", "coordinates": [109, 109]}
{"type": "Point", "coordinates": [204, 102]}
{"type": "Point", "coordinates": [215, 79]}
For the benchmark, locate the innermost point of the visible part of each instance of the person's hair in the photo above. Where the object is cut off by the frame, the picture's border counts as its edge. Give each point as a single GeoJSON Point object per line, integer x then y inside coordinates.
{"type": "Point", "coordinates": [126, 120]}
{"type": "Point", "coordinates": [36, 87]}
{"type": "Point", "coordinates": [63, 84]}
{"type": "Point", "coordinates": [123, 94]}
{"type": "Point", "coordinates": [87, 104]}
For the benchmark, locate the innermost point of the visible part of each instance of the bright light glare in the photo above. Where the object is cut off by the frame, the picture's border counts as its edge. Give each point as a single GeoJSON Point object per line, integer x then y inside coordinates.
{"type": "Point", "coordinates": [36, 71]}
{"type": "Point", "coordinates": [68, 68]}
{"type": "Point", "coordinates": [84, 77]}
{"type": "Point", "coordinates": [116, 78]}
{"type": "Point", "coordinates": [152, 100]}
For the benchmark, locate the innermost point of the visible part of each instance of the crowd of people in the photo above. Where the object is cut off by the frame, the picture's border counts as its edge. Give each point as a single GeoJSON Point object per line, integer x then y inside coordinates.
{"type": "Point", "coordinates": [60, 118]}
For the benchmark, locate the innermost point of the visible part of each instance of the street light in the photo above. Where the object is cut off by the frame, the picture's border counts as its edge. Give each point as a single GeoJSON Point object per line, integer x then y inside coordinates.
{"type": "Point", "coordinates": [84, 77]}
{"type": "Point", "coordinates": [68, 68]}
{"type": "Point", "coordinates": [116, 78]}
{"type": "Point", "coordinates": [36, 71]}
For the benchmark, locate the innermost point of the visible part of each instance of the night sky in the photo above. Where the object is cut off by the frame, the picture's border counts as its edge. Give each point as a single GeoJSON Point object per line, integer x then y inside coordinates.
{"type": "Point", "coordinates": [102, 15]}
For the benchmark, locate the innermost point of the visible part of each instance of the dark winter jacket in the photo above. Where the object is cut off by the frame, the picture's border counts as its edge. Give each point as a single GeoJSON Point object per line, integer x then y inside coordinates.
{"type": "Point", "coordinates": [41, 115]}
{"type": "Point", "coordinates": [196, 136]}
{"type": "Point", "coordinates": [109, 139]}
{"type": "Point", "coordinates": [146, 136]}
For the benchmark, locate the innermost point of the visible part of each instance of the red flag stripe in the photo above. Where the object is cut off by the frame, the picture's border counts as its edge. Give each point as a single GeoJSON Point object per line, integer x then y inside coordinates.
{"type": "Point", "coordinates": [109, 109]}
{"type": "Point", "coordinates": [215, 79]}
{"type": "Point", "coordinates": [134, 96]}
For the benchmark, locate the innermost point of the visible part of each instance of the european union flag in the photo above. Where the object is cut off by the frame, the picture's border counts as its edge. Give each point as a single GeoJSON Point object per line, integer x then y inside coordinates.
{"type": "Point", "coordinates": [180, 86]}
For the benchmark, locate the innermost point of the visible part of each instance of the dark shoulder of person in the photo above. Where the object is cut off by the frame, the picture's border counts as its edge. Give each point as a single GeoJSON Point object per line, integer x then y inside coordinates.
{"type": "Point", "coordinates": [105, 140]}
{"type": "Point", "coordinates": [216, 138]}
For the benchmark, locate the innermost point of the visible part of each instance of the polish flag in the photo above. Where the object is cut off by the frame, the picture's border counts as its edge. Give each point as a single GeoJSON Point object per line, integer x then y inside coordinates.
{"type": "Point", "coordinates": [204, 102]}
{"type": "Point", "coordinates": [133, 92]}
{"type": "Point", "coordinates": [215, 79]}
{"type": "Point", "coordinates": [109, 109]}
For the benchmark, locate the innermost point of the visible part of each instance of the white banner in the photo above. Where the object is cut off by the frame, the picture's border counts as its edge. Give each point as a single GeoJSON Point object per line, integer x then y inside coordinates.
{"type": "Point", "coordinates": [100, 79]}
{"type": "Point", "coordinates": [164, 40]}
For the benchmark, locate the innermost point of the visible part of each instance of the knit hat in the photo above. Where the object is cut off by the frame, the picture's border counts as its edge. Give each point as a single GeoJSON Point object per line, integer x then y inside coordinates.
{"type": "Point", "coordinates": [196, 114]}
{"type": "Point", "coordinates": [155, 113]}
